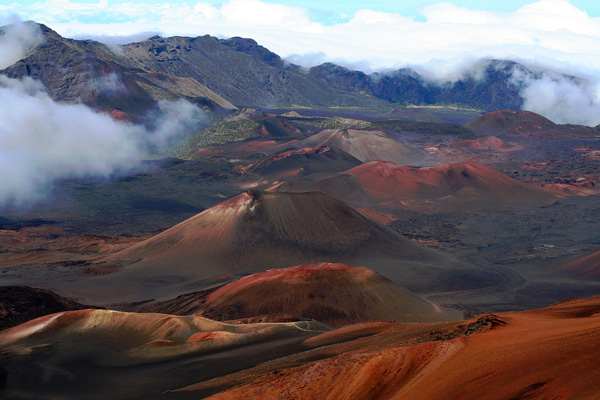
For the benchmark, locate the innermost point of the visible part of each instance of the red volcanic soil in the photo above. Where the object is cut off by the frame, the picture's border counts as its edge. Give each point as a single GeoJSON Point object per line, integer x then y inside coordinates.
{"type": "Point", "coordinates": [306, 161]}
{"type": "Point", "coordinates": [117, 115]}
{"type": "Point", "coordinates": [526, 123]}
{"type": "Point", "coordinates": [335, 294]}
{"type": "Point", "coordinates": [565, 190]}
{"type": "Point", "coordinates": [469, 185]}
{"type": "Point", "coordinates": [585, 267]}
{"type": "Point", "coordinates": [511, 122]}
{"type": "Point", "coordinates": [54, 245]}
{"type": "Point", "coordinates": [366, 145]}
{"type": "Point", "coordinates": [257, 145]}
{"type": "Point", "coordinates": [243, 149]}
{"type": "Point", "coordinates": [487, 143]}
{"type": "Point", "coordinates": [551, 353]}
{"type": "Point", "coordinates": [92, 330]}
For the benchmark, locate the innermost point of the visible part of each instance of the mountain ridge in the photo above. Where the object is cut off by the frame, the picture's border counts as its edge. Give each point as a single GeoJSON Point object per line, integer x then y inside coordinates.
{"type": "Point", "coordinates": [239, 72]}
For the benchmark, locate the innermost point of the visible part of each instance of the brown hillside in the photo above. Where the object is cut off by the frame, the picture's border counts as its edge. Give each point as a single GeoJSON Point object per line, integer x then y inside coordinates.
{"type": "Point", "coordinates": [542, 354]}
{"type": "Point", "coordinates": [366, 145]}
{"type": "Point", "coordinates": [491, 143]}
{"type": "Point", "coordinates": [469, 185]}
{"type": "Point", "coordinates": [526, 123]}
{"type": "Point", "coordinates": [256, 231]}
{"type": "Point", "coordinates": [335, 294]}
{"type": "Point", "coordinates": [587, 267]}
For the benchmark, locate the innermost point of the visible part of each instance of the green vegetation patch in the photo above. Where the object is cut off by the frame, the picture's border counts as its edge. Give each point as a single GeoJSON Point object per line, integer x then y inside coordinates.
{"type": "Point", "coordinates": [341, 123]}
{"type": "Point", "coordinates": [221, 132]}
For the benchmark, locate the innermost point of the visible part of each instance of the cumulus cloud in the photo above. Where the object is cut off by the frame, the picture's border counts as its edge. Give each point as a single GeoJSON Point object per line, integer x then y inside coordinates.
{"type": "Point", "coordinates": [42, 141]}
{"type": "Point", "coordinates": [114, 43]}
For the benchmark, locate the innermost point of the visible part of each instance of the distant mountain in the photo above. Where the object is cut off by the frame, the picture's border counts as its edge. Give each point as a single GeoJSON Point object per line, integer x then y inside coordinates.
{"type": "Point", "coordinates": [225, 73]}
{"type": "Point", "coordinates": [487, 85]}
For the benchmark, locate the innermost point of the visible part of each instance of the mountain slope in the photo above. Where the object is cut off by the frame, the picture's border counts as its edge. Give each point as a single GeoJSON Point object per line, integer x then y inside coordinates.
{"type": "Point", "coordinates": [303, 161]}
{"type": "Point", "coordinates": [335, 294]}
{"type": "Point", "coordinates": [73, 70]}
{"type": "Point", "coordinates": [232, 69]}
{"type": "Point", "coordinates": [256, 231]}
{"type": "Point", "coordinates": [587, 267]}
{"type": "Point", "coordinates": [238, 71]}
{"type": "Point", "coordinates": [466, 186]}
{"type": "Point", "coordinates": [527, 124]}
{"type": "Point", "coordinates": [491, 143]}
{"type": "Point", "coordinates": [366, 145]}
{"type": "Point", "coordinates": [540, 354]}
{"type": "Point", "coordinates": [100, 354]}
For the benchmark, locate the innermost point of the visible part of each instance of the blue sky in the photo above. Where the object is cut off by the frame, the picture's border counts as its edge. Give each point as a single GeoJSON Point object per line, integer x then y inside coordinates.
{"type": "Point", "coordinates": [336, 10]}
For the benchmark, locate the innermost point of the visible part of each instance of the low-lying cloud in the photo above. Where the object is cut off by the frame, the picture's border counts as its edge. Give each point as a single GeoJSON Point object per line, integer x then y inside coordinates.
{"type": "Point", "coordinates": [16, 40]}
{"type": "Point", "coordinates": [560, 98]}
{"type": "Point", "coordinates": [42, 141]}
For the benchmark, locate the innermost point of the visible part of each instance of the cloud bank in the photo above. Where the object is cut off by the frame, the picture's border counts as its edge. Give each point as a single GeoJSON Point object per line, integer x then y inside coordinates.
{"type": "Point", "coordinates": [42, 141]}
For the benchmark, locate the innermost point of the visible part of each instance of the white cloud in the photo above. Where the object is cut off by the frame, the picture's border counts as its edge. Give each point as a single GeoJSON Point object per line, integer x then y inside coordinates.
{"type": "Point", "coordinates": [561, 99]}
{"type": "Point", "coordinates": [42, 141]}
{"type": "Point", "coordinates": [256, 12]}
{"type": "Point", "coordinates": [449, 13]}
{"type": "Point", "coordinates": [17, 40]}
{"type": "Point", "coordinates": [377, 17]}
{"type": "Point", "coordinates": [109, 84]}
